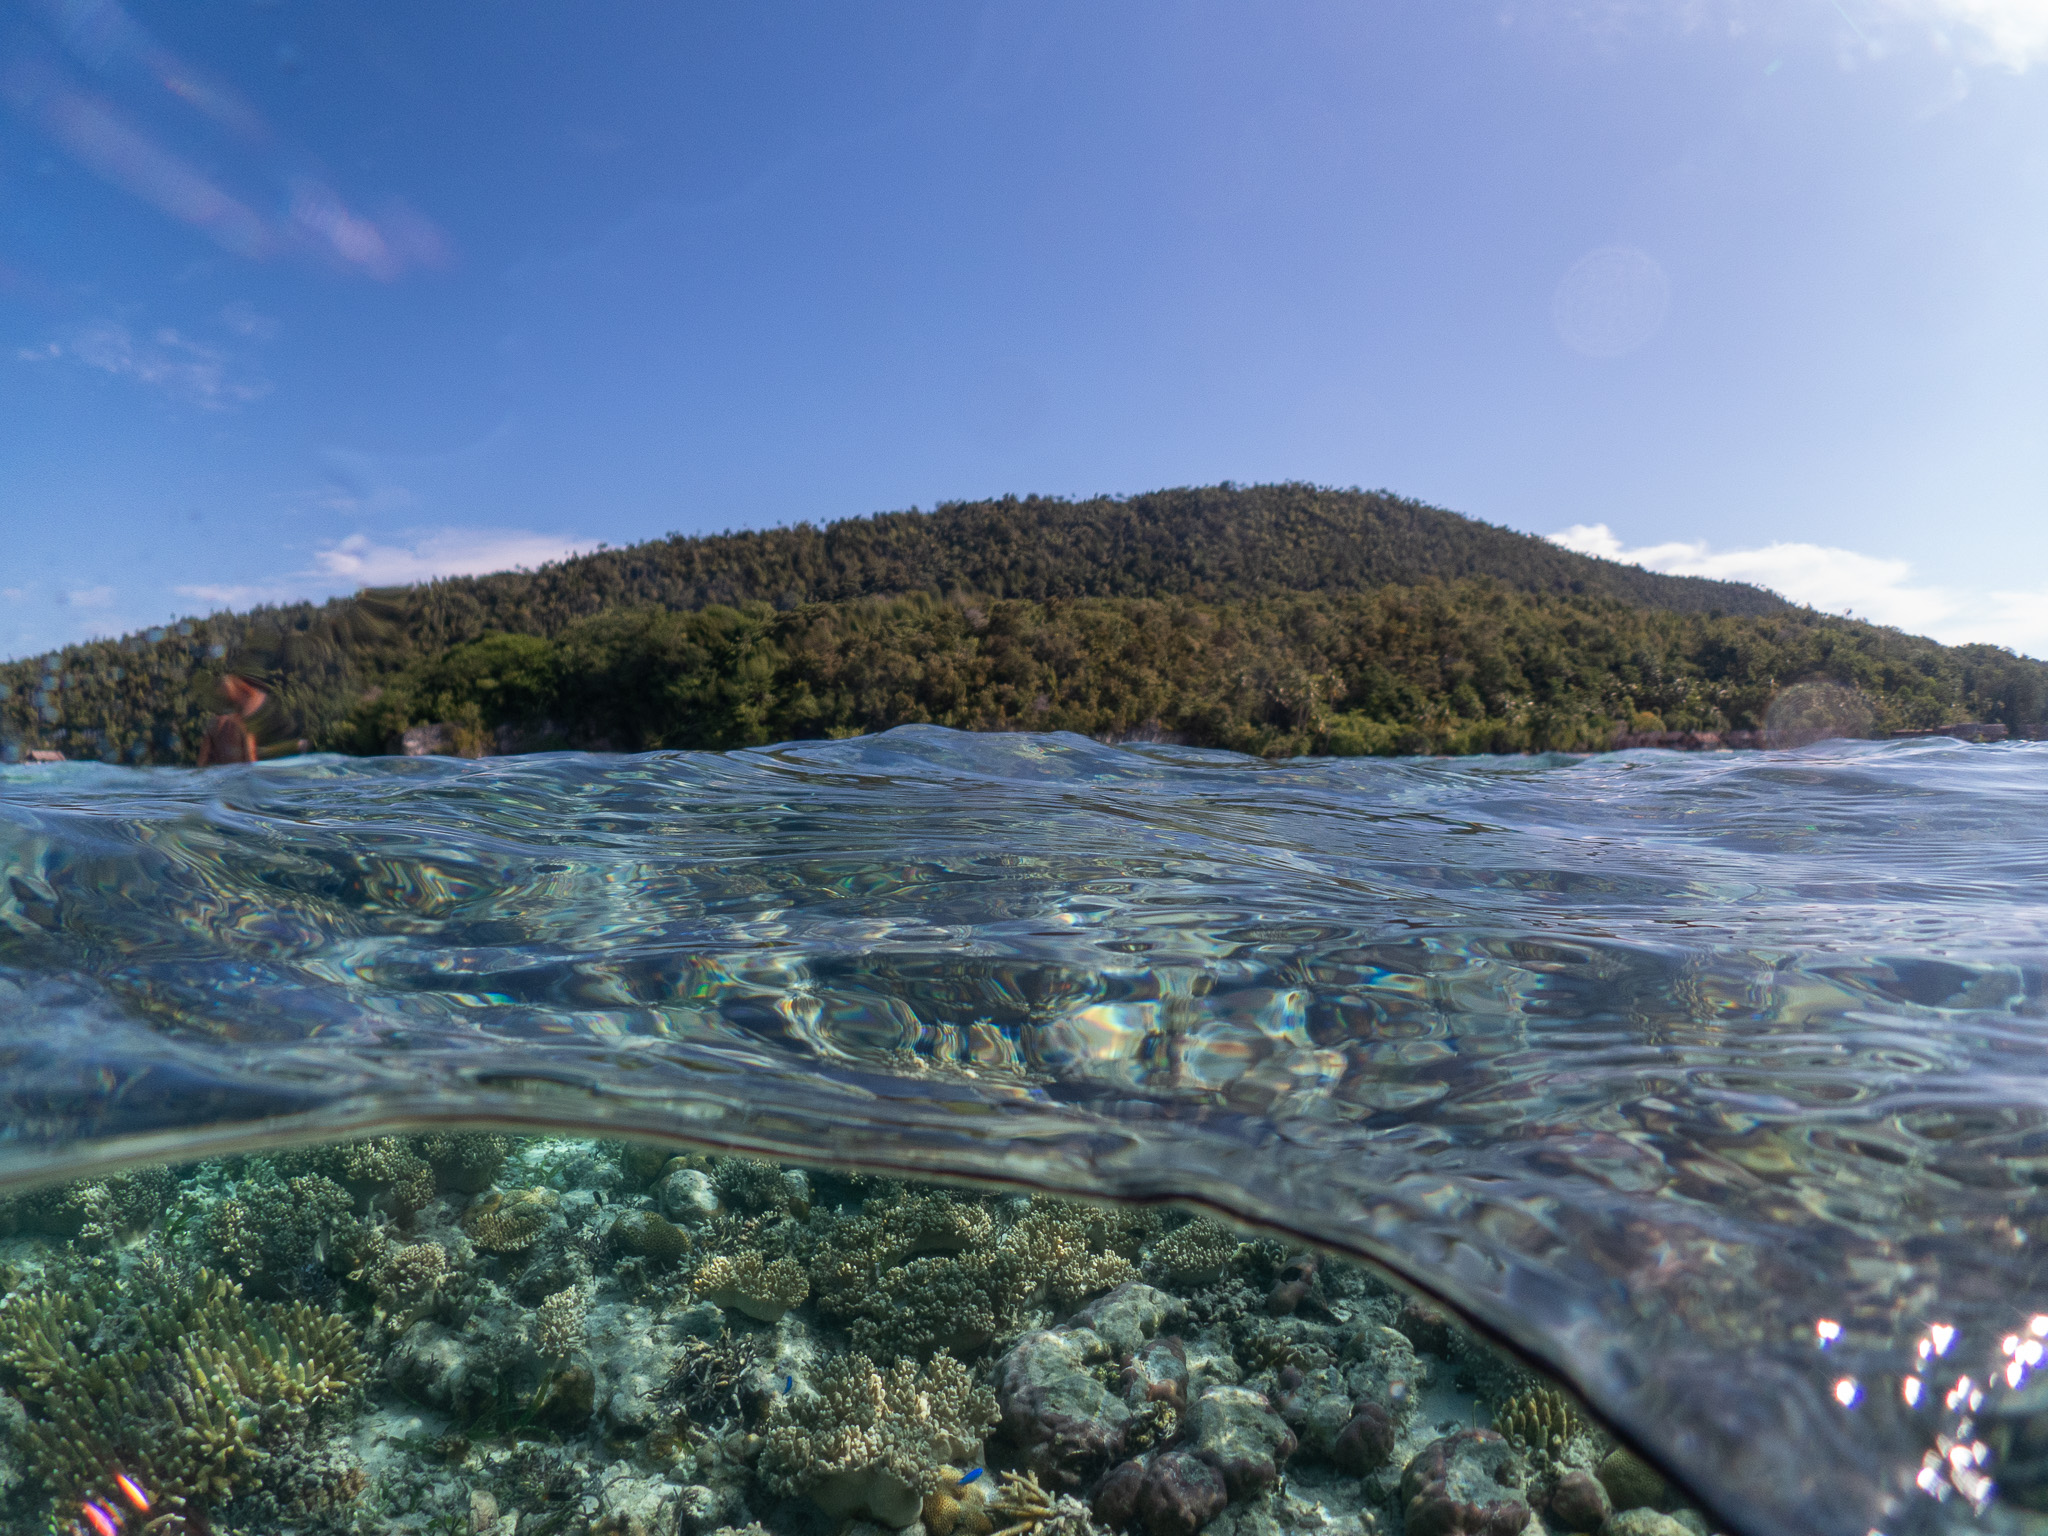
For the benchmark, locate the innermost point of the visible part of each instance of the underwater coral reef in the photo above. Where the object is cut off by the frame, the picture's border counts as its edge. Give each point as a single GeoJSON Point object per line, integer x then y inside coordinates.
{"type": "Point", "coordinates": [463, 1333]}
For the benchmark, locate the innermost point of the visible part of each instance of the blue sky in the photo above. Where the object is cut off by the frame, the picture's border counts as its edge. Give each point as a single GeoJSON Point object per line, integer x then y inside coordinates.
{"type": "Point", "coordinates": [297, 296]}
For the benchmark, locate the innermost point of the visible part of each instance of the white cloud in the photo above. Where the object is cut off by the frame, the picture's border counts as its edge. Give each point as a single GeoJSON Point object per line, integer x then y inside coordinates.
{"type": "Point", "coordinates": [246, 321]}
{"type": "Point", "coordinates": [357, 562]}
{"type": "Point", "coordinates": [91, 597]}
{"type": "Point", "coordinates": [1842, 581]}
{"type": "Point", "coordinates": [181, 368]}
{"type": "Point", "coordinates": [2013, 33]}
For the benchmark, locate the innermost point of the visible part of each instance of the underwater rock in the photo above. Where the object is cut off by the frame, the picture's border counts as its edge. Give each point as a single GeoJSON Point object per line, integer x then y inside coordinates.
{"type": "Point", "coordinates": [1156, 1372]}
{"type": "Point", "coordinates": [1643, 1522]}
{"type": "Point", "coordinates": [1295, 1285]}
{"type": "Point", "coordinates": [630, 1504]}
{"type": "Point", "coordinates": [1055, 1406]}
{"type": "Point", "coordinates": [685, 1195]}
{"type": "Point", "coordinates": [871, 1443]}
{"type": "Point", "coordinates": [1578, 1503]}
{"type": "Point", "coordinates": [1316, 1406]}
{"type": "Point", "coordinates": [1236, 1431]}
{"type": "Point", "coordinates": [567, 1398]}
{"type": "Point", "coordinates": [1173, 1494]}
{"type": "Point", "coordinates": [1129, 1315]}
{"type": "Point", "coordinates": [1366, 1440]}
{"type": "Point", "coordinates": [1631, 1482]}
{"type": "Point", "coordinates": [430, 1366]}
{"type": "Point", "coordinates": [1426, 1326]}
{"type": "Point", "coordinates": [1466, 1484]}
{"type": "Point", "coordinates": [634, 1359]}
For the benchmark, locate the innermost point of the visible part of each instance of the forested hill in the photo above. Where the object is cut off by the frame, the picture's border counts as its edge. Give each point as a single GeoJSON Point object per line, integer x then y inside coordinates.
{"type": "Point", "coordinates": [1214, 543]}
{"type": "Point", "coordinates": [976, 612]}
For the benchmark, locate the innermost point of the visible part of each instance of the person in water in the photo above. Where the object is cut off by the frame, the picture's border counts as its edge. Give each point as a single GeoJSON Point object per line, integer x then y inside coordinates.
{"type": "Point", "coordinates": [229, 739]}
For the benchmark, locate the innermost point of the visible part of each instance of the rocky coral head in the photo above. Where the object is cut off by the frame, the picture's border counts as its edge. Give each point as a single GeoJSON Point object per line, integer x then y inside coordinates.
{"type": "Point", "coordinates": [1466, 1484]}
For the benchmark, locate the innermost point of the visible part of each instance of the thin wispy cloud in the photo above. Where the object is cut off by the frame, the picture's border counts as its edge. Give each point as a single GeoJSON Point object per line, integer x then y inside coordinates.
{"type": "Point", "coordinates": [110, 141]}
{"type": "Point", "coordinates": [165, 360]}
{"type": "Point", "coordinates": [1846, 581]}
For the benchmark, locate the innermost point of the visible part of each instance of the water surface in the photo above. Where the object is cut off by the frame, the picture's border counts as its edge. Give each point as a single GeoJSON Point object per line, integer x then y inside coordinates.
{"type": "Point", "coordinates": [1714, 1082]}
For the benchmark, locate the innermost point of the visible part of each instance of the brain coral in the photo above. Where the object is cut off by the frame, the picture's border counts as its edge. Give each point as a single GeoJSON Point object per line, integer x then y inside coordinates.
{"type": "Point", "coordinates": [874, 1443]}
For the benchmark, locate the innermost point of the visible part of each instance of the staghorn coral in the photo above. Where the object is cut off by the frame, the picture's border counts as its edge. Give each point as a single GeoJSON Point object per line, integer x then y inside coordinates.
{"type": "Point", "coordinates": [874, 1442]}
{"type": "Point", "coordinates": [752, 1283]}
{"type": "Point", "coordinates": [509, 1223]}
{"type": "Point", "coordinates": [186, 1390]}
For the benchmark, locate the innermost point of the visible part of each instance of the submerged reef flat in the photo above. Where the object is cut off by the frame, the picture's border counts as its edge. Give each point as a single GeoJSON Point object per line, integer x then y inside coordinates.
{"type": "Point", "coordinates": [469, 1334]}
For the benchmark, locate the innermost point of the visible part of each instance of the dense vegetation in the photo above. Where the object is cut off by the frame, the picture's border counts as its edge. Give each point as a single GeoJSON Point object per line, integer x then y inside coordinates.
{"type": "Point", "coordinates": [1272, 619]}
{"type": "Point", "coordinates": [1467, 667]}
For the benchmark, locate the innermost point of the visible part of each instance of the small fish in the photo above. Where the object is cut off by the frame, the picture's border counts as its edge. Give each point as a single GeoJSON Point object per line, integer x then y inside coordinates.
{"type": "Point", "coordinates": [133, 1492]}
{"type": "Point", "coordinates": [970, 1477]}
{"type": "Point", "coordinates": [104, 1520]}
{"type": "Point", "coordinates": [788, 1385]}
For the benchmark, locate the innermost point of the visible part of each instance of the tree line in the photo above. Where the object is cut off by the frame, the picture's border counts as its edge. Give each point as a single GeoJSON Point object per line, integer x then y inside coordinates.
{"type": "Point", "coordinates": [1266, 618]}
{"type": "Point", "coordinates": [1444, 668]}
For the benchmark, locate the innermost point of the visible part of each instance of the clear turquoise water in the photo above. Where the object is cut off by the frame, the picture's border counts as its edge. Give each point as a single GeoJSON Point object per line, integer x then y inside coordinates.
{"type": "Point", "coordinates": [1715, 1082]}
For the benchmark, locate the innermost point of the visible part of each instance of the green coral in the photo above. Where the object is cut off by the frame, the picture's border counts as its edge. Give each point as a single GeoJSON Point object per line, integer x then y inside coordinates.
{"type": "Point", "coordinates": [1538, 1421]}
{"type": "Point", "coordinates": [750, 1185]}
{"type": "Point", "coordinates": [184, 1387]}
{"type": "Point", "coordinates": [873, 1443]}
{"type": "Point", "coordinates": [386, 1169]}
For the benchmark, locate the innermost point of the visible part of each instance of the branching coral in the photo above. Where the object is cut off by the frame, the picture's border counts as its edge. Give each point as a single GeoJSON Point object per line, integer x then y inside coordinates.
{"type": "Point", "coordinates": [1057, 1240]}
{"type": "Point", "coordinates": [267, 1232]}
{"type": "Point", "coordinates": [752, 1283]}
{"type": "Point", "coordinates": [874, 1443]}
{"type": "Point", "coordinates": [558, 1322]}
{"type": "Point", "coordinates": [94, 1211]}
{"type": "Point", "coordinates": [385, 1168]}
{"type": "Point", "coordinates": [1195, 1254]}
{"type": "Point", "coordinates": [183, 1393]}
{"type": "Point", "coordinates": [464, 1161]}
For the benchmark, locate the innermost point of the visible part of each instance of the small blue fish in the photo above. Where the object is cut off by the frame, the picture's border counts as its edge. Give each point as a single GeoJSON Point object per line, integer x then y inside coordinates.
{"type": "Point", "coordinates": [970, 1477]}
{"type": "Point", "coordinates": [788, 1385]}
